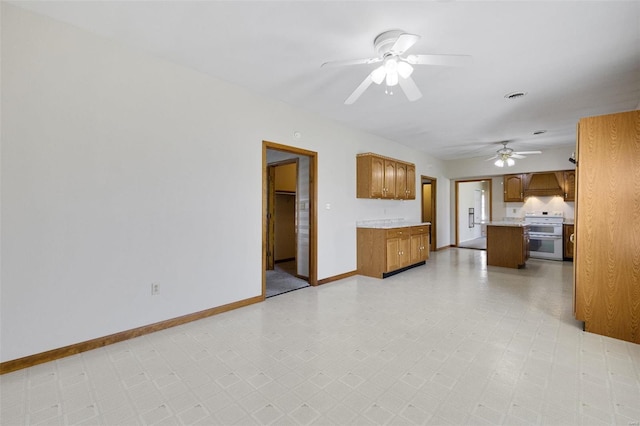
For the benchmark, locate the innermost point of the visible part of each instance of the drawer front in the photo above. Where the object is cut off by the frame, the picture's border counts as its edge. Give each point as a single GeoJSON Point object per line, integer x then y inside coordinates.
{"type": "Point", "coordinates": [398, 232]}
{"type": "Point", "coordinates": [419, 230]}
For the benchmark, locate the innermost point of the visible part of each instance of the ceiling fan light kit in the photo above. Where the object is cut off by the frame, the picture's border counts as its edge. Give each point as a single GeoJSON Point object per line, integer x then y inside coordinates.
{"type": "Point", "coordinates": [396, 69]}
{"type": "Point", "coordinates": [501, 162]}
{"type": "Point", "coordinates": [505, 155]}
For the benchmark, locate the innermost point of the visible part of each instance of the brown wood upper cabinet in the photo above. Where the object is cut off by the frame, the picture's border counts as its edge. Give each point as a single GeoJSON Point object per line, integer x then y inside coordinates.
{"type": "Point", "coordinates": [383, 177]}
{"type": "Point", "coordinates": [513, 188]}
{"type": "Point", "coordinates": [519, 186]}
{"type": "Point", "coordinates": [569, 179]}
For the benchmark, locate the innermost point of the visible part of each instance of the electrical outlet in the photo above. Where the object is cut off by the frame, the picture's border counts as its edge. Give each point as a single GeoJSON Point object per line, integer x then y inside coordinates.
{"type": "Point", "coordinates": [155, 289]}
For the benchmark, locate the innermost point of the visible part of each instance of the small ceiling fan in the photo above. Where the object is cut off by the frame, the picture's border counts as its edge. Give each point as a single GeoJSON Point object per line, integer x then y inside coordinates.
{"type": "Point", "coordinates": [506, 155]}
{"type": "Point", "coordinates": [396, 68]}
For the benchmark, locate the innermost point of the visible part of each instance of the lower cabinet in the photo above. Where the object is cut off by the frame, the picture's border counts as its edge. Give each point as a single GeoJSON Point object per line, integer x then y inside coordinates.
{"type": "Point", "coordinates": [398, 251]}
{"type": "Point", "coordinates": [419, 244]}
{"type": "Point", "coordinates": [567, 232]}
{"type": "Point", "coordinates": [384, 252]}
{"type": "Point", "coordinates": [507, 246]}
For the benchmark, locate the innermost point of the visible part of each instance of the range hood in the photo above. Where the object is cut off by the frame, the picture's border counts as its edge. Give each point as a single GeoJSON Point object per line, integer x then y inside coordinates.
{"type": "Point", "coordinates": [544, 184]}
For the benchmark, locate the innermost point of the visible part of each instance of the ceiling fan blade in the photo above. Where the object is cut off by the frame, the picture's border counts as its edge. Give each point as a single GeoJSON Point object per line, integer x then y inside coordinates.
{"type": "Point", "coordinates": [492, 158]}
{"type": "Point", "coordinates": [348, 62]}
{"type": "Point", "coordinates": [404, 42]}
{"type": "Point", "coordinates": [444, 60]}
{"type": "Point", "coordinates": [518, 156]}
{"type": "Point", "coordinates": [410, 89]}
{"type": "Point", "coordinates": [528, 152]}
{"type": "Point", "coordinates": [359, 90]}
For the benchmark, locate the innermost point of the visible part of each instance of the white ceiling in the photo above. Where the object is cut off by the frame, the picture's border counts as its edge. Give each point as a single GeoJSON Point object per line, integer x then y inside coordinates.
{"type": "Point", "coordinates": [573, 59]}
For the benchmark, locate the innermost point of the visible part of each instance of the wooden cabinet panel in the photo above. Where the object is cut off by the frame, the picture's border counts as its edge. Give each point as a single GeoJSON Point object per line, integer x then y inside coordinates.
{"type": "Point", "coordinates": [513, 188]}
{"type": "Point", "coordinates": [569, 178]}
{"type": "Point", "coordinates": [401, 180]}
{"type": "Point", "coordinates": [411, 182]}
{"type": "Point", "coordinates": [386, 178]}
{"type": "Point", "coordinates": [567, 232]}
{"type": "Point", "coordinates": [507, 246]}
{"type": "Point", "coordinates": [389, 190]}
{"type": "Point", "coordinates": [419, 248]}
{"type": "Point", "coordinates": [398, 253]}
{"type": "Point", "coordinates": [383, 251]}
{"type": "Point", "coordinates": [607, 225]}
{"type": "Point", "coordinates": [393, 254]}
{"type": "Point", "coordinates": [370, 176]}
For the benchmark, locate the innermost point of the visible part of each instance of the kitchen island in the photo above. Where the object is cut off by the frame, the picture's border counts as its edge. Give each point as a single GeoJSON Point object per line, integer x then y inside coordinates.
{"type": "Point", "coordinates": [385, 248]}
{"type": "Point", "coordinates": [507, 244]}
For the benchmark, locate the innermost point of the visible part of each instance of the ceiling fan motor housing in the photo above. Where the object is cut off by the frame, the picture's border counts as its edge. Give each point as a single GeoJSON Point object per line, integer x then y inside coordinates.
{"type": "Point", "coordinates": [385, 41]}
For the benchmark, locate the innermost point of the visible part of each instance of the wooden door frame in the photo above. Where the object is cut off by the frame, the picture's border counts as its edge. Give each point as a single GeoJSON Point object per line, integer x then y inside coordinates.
{"type": "Point", "coordinates": [457, 213]}
{"type": "Point", "coordinates": [313, 209]}
{"type": "Point", "coordinates": [271, 193]}
{"type": "Point", "coordinates": [269, 254]}
{"type": "Point", "coordinates": [434, 210]}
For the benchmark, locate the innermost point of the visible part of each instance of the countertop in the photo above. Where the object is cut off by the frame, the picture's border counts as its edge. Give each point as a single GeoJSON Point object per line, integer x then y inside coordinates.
{"type": "Point", "coordinates": [389, 224]}
{"type": "Point", "coordinates": [506, 223]}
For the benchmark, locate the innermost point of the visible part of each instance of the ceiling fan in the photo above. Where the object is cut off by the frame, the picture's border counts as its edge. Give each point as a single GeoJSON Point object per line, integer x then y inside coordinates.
{"type": "Point", "coordinates": [396, 68]}
{"type": "Point", "coordinates": [506, 155]}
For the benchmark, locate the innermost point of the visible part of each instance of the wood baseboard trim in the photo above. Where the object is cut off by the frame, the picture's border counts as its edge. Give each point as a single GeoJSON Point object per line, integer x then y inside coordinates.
{"type": "Point", "coordinates": [337, 277]}
{"type": "Point", "coordinates": [54, 354]}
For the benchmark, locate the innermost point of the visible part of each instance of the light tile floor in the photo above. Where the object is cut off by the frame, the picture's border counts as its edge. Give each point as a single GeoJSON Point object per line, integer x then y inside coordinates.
{"type": "Point", "coordinates": [451, 342]}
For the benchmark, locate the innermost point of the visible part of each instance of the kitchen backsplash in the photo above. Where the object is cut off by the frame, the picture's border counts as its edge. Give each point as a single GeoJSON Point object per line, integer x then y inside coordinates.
{"type": "Point", "coordinates": [541, 204]}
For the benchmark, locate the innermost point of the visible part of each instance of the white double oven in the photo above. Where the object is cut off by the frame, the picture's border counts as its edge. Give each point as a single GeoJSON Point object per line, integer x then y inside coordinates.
{"type": "Point", "coordinates": [545, 234]}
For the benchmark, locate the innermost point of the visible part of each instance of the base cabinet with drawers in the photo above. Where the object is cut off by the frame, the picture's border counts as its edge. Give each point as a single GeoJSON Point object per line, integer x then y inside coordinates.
{"type": "Point", "coordinates": [386, 251]}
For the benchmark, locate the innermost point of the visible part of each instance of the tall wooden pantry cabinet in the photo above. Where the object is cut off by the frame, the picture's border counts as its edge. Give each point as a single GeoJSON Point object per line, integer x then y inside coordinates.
{"type": "Point", "coordinates": [607, 225]}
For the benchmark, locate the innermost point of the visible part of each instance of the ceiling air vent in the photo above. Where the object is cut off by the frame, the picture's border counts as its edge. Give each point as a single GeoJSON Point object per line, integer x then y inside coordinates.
{"type": "Point", "coordinates": [515, 95]}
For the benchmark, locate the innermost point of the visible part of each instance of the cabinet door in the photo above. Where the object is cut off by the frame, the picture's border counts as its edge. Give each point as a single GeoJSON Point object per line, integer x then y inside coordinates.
{"type": "Point", "coordinates": [567, 231]}
{"type": "Point", "coordinates": [401, 180]}
{"type": "Point", "coordinates": [416, 249]}
{"type": "Point", "coordinates": [405, 251]}
{"type": "Point", "coordinates": [393, 254]}
{"type": "Point", "coordinates": [569, 185]}
{"type": "Point", "coordinates": [411, 182]}
{"type": "Point", "coordinates": [389, 179]}
{"type": "Point", "coordinates": [513, 188]}
{"type": "Point", "coordinates": [377, 177]}
{"type": "Point", "coordinates": [425, 247]}
{"type": "Point", "coordinates": [419, 244]}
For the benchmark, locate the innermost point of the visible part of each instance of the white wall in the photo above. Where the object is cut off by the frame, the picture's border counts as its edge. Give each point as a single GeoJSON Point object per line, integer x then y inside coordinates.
{"type": "Point", "coordinates": [120, 170]}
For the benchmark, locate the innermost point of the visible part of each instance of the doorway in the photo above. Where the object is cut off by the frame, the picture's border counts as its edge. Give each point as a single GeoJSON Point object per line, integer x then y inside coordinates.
{"type": "Point", "coordinates": [428, 192]}
{"type": "Point", "coordinates": [473, 210]}
{"type": "Point", "coordinates": [289, 232]}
